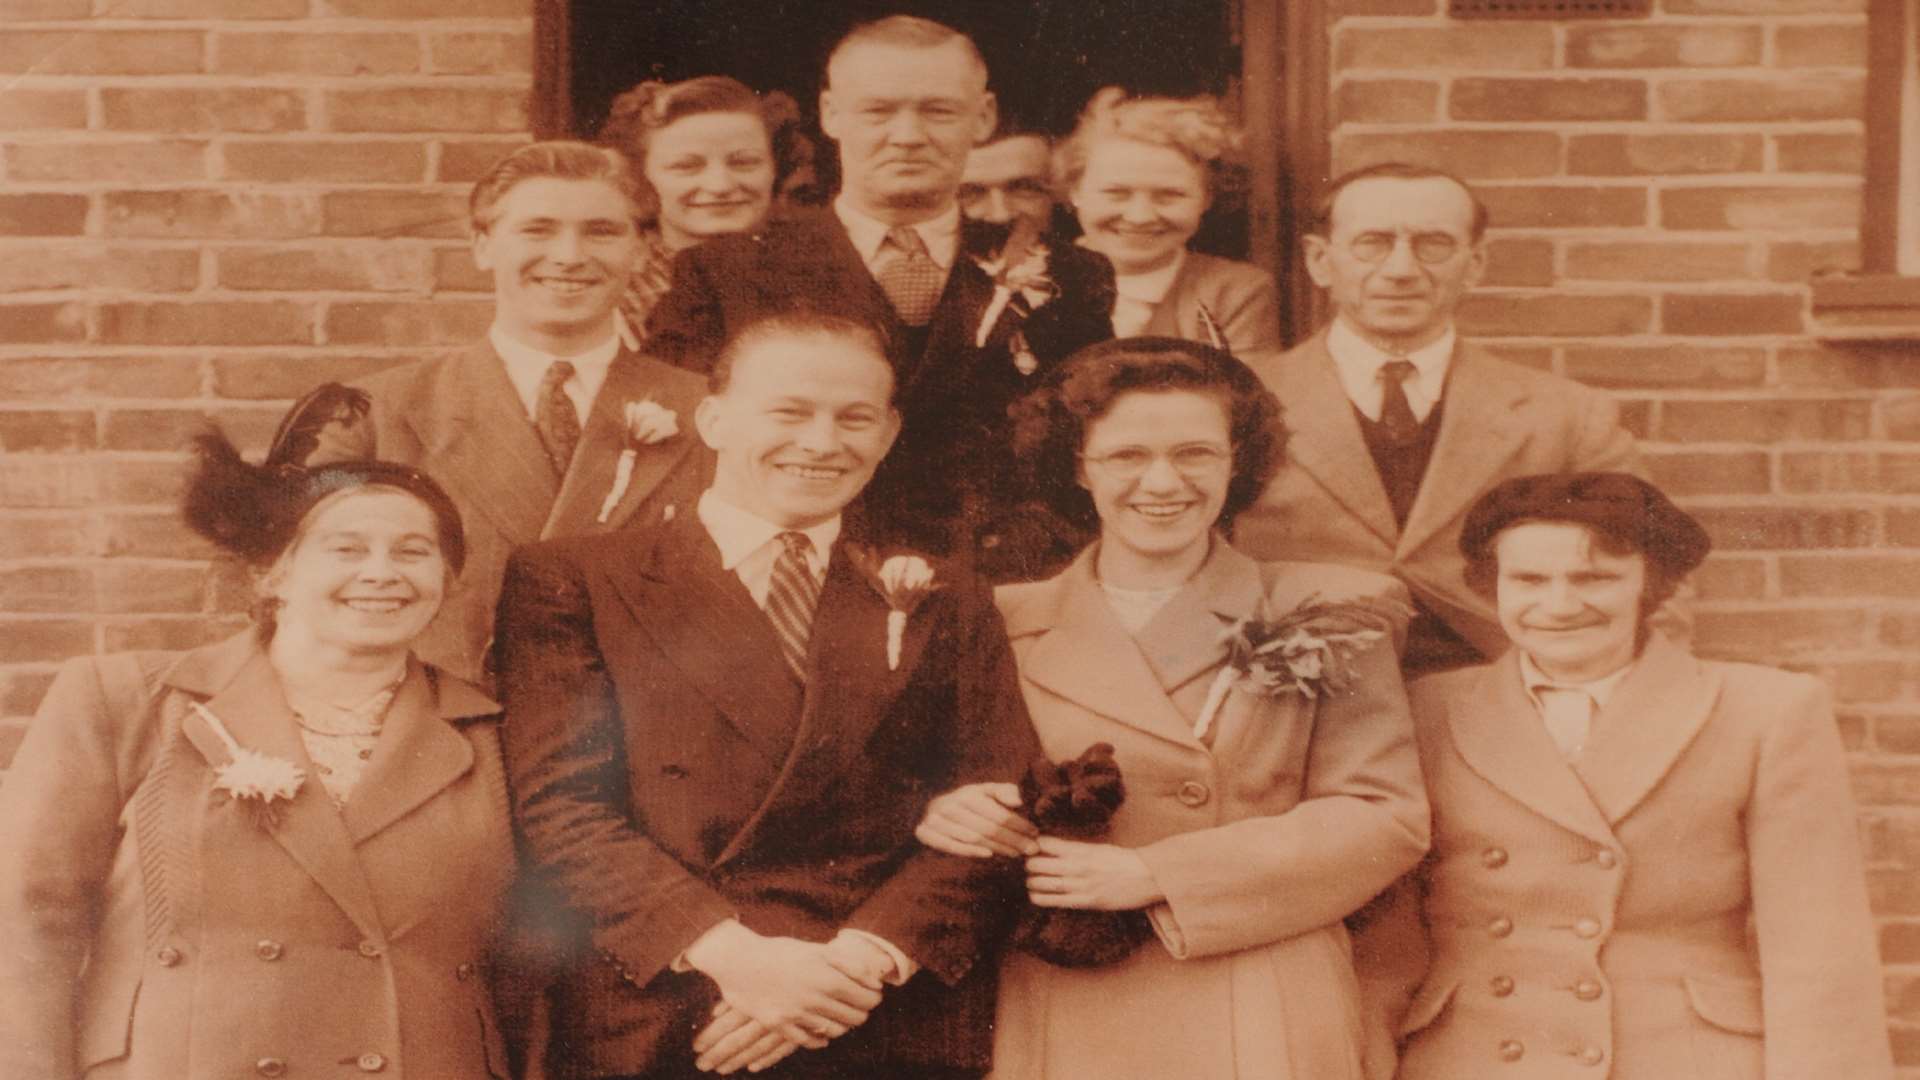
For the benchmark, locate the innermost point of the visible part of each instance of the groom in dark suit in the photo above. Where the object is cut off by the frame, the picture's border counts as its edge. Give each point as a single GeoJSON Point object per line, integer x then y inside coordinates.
{"type": "Point", "coordinates": [720, 740]}
{"type": "Point", "coordinates": [968, 324]}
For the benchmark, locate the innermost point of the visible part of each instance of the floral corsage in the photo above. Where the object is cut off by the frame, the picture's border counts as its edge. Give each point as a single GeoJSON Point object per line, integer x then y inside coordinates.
{"type": "Point", "coordinates": [1020, 281]}
{"type": "Point", "coordinates": [648, 422]}
{"type": "Point", "coordinates": [254, 780]}
{"type": "Point", "coordinates": [904, 582]}
{"type": "Point", "coordinates": [1308, 651]}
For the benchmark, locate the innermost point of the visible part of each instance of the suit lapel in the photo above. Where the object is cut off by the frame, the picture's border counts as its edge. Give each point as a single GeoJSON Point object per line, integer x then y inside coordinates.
{"type": "Point", "coordinates": [1182, 642]}
{"type": "Point", "coordinates": [491, 450]}
{"type": "Point", "coordinates": [590, 477]}
{"type": "Point", "coordinates": [1477, 434]}
{"type": "Point", "coordinates": [1174, 315]}
{"type": "Point", "coordinates": [1649, 721]}
{"type": "Point", "coordinates": [418, 754]}
{"type": "Point", "coordinates": [1499, 735]}
{"type": "Point", "coordinates": [1326, 440]}
{"type": "Point", "coordinates": [951, 329]}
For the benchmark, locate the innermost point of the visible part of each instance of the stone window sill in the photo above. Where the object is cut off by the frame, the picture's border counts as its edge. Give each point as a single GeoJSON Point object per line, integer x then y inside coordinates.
{"type": "Point", "coordinates": [1867, 307]}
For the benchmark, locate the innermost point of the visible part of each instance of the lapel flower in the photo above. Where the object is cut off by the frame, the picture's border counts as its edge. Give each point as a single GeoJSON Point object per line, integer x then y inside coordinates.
{"type": "Point", "coordinates": [250, 778]}
{"type": "Point", "coordinates": [1020, 281]}
{"type": "Point", "coordinates": [1307, 651]}
{"type": "Point", "coordinates": [904, 582]}
{"type": "Point", "coordinates": [648, 422]}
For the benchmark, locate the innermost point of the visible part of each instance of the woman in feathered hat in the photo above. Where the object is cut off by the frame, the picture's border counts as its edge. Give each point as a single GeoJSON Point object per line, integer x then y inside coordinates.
{"type": "Point", "coordinates": [281, 854]}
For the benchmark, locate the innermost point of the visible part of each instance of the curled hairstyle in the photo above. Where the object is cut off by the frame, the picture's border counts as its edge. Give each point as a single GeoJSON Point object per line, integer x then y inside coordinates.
{"type": "Point", "coordinates": [906, 32]}
{"type": "Point", "coordinates": [643, 110]}
{"type": "Point", "coordinates": [558, 159]}
{"type": "Point", "coordinates": [1197, 128]}
{"type": "Point", "coordinates": [1050, 424]}
{"type": "Point", "coordinates": [802, 324]}
{"type": "Point", "coordinates": [1321, 222]}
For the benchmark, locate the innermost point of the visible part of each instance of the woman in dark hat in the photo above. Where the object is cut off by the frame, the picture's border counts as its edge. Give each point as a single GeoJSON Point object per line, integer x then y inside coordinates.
{"type": "Point", "coordinates": [281, 854]}
{"type": "Point", "coordinates": [1645, 865]}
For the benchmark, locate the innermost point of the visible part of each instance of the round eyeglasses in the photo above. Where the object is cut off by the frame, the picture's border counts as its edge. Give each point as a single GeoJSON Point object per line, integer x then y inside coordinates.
{"type": "Point", "coordinates": [1428, 247]}
{"type": "Point", "coordinates": [1132, 462]}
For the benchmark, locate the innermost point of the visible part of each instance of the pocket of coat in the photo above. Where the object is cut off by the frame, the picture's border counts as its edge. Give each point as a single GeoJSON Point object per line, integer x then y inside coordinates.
{"type": "Point", "coordinates": [1728, 1004]}
{"type": "Point", "coordinates": [106, 1022]}
{"type": "Point", "coordinates": [1427, 1005]}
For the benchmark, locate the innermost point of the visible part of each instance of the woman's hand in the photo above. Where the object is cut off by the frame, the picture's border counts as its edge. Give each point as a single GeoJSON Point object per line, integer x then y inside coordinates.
{"type": "Point", "coordinates": [1093, 877]}
{"type": "Point", "coordinates": [978, 821]}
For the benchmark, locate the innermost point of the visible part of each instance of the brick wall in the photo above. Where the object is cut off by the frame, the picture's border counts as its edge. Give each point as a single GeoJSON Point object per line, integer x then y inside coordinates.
{"type": "Point", "coordinates": [1662, 189]}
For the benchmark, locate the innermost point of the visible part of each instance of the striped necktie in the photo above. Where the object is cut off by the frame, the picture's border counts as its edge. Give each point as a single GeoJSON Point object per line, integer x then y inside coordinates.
{"type": "Point", "coordinates": [792, 595]}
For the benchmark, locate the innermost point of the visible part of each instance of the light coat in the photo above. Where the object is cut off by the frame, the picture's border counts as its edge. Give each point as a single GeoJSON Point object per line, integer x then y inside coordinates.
{"type": "Point", "coordinates": [155, 931]}
{"type": "Point", "coordinates": [1684, 899]}
{"type": "Point", "coordinates": [1292, 815]}
{"type": "Point", "coordinates": [1241, 297]}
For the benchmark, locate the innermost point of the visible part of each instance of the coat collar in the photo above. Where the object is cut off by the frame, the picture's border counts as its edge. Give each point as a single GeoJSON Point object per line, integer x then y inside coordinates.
{"type": "Point", "coordinates": [590, 477]}
{"type": "Point", "coordinates": [1650, 720]}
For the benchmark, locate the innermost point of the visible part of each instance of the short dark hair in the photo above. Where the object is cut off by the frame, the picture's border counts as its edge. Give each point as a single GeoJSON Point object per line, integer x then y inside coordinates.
{"type": "Point", "coordinates": [904, 31]}
{"type": "Point", "coordinates": [1050, 424]}
{"type": "Point", "coordinates": [559, 159]}
{"type": "Point", "coordinates": [644, 109]}
{"type": "Point", "coordinates": [798, 324]}
{"type": "Point", "coordinates": [1322, 220]}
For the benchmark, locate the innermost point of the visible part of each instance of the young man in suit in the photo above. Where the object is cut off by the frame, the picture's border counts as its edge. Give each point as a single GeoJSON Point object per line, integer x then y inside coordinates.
{"type": "Point", "coordinates": [1397, 425]}
{"type": "Point", "coordinates": [720, 741]}
{"type": "Point", "coordinates": [905, 100]}
{"type": "Point", "coordinates": [544, 428]}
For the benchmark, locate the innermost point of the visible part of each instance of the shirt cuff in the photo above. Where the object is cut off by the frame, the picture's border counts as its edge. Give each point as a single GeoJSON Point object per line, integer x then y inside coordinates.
{"type": "Point", "coordinates": [680, 966]}
{"type": "Point", "coordinates": [903, 965]}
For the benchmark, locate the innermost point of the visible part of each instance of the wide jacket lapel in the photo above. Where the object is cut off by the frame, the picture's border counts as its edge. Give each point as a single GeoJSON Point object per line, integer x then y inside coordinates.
{"type": "Point", "coordinates": [418, 754]}
{"type": "Point", "coordinates": [1326, 440]}
{"type": "Point", "coordinates": [950, 331]}
{"type": "Point", "coordinates": [591, 477]}
{"type": "Point", "coordinates": [1648, 722]}
{"type": "Point", "coordinates": [1498, 733]}
{"type": "Point", "coordinates": [1184, 640]}
{"type": "Point", "coordinates": [1478, 432]}
{"type": "Point", "coordinates": [489, 450]}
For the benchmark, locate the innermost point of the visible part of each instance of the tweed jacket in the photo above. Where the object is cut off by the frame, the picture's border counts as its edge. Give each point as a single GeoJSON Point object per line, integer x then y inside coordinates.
{"type": "Point", "coordinates": [155, 931]}
{"type": "Point", "coordinates": [460, 419]}
{"type": "Point", "coordinates": [1683, 899]}
{"type": "Point", "coordinates": [670, 772]}
{"type": "Point", "coordinates": [1498, 420]}
{"type": "Point", "coordinates": [1292, 814]}
{"type": "Point", "coordinates": [1241, 297]}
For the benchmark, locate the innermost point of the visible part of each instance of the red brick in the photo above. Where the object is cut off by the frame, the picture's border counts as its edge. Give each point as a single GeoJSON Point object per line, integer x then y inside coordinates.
{"type": "Point", "coordinates": [411, 109]}
{"type": "Point", "coordinates": [1900, 630]}
{"type": "Point", "coordinates": [1900, 942]}
{"type": "Point", "coordinates": [337, 267]}
{"type": "Point", "coordinates": [1899, 473]}
{"type": "Point", "coordinates": [1898, 735]}
{"type": "Point", "coordinates": [30, 378]}
{"type": "Point", "coordinates": [1767, 420]}
{"type": "Point", "coordinates": [454, 271]}
{"type": "Point", "coordinates": [1822, 472]}
{"type": "Point", "coordinates": [211, 322]}
{"type": "Point", "coordinates": [34, 640]}
{"type": "Point", "coordinates": [1849, 365]}
{"type": "Point", "coordinates": [1517, 261]}
{"type": "Point", "coordinates": [1903, 527]}
{"type": "Point", "coordinates": [465, 162]}
{"type": "Point", "coordinates": [1770, 632]}
{"type": "Point", "coordinates": [1558, 315]}
{"type": "Point", "coordinates": [45, 431]}
{"type": "Point", "coordinates": [277, 378]}
{"type": "Point", "coordinates": [1894, 892]}
{"type": "Point", "coordinates": [1386, 101]}
{"type": "Point", "coordinates": [1548, 99]}
{"type": "Point", "coordinates": [46, 590]}
{"type": "Point", "coordinates": [1479, 47]}
{"type": "Point", "coordinates": [1760, 208]}
{"type": "Point", "coordinates": [1650, 45]}
{"type": "Point", "coordinates": [389, 214]}
{"type": "Point", "coordinates": [1825, 96]}
{"type": "Point", "coordinates": [1821, 45]}
{"type": "Point", "coordinates": [155, 482]}
{"type": "Point", "coordinates": [150, 160]}
{"type": "Point", "coordinates": [1537, 357]}
{"type": "Point", "coordinates": [308, 161]}
{"type": "Point", "coordinates": [101, 52]}
{"type": "Point", "coordinates": [1821, 153]}
{"type": "Point", "coordinates": [1901, 413]}
{"type": "Point", "coordinates": [431, 322]}
{"type": "Point", "coordinates": [1799, 262]}
{"type": "Point", "coordinates": [208, 9]}
{"type": "Point", "coordinates": [43, 215]}
{"type": "Point", "coordinates": [1476, 155]}
{"type": "Point", "coordinates": [1636, 415]}
{"type": "Point", "coordinates": [21, 690]}
{"type": "Point", "coordinates": [46, 535]}
{"type": "Point", "coordinates": [1338, 8]}
{"type": "Point", "coordinates": [1833, 576]}
{"type": "Point", "coordinates": [1664, 155]}
{"type": "Point", "coordinates": [1878, 783]}
{"type": "Point", "coordinates": [49, 323]}
{"type": "Point", "coordinates": [1767, 528]}
{"type": "Point", "coordinates": [480, 53]}
{"type": "Point", "coordinates": [1644, 366]}
{"type": "Point", "coordinates": [315, 52]}
{"type": "Point", "coordinates": [1565, 207]}
{"type": "Point", "coordinates": [221, 109]}
{"type": "Point", "coordinates": [173, 429]}
{"type": "Point", "coordinates": [1760, 7]}
{"type": "Point", "coordinates": [1634, 260]}
{"type": "Point", "coordinates": [427, 9]}
{"type": "Point", "coordinates": [47, 481]}
{"type": "Point", "coordinates": [1724, 577]}
{"type": "Point", "coordinates": [149, 588]}
{"type": "Point", "coordinates": [46, 10]}
{"type": "Point", "coordinates": [1732, 314]}
{"type": "Point", "coordinates": [154, 534]}
{"type": "Point", "coordinates": [1866, 681]}
{"type": "Point", "coordinates": [1707, 473]}
{"type": "Point", "coordinates": [205, 215]}
{"type": "Point", "coordinates": [41, 110]}
{"type": "Point", "coordinates": [161, 632]}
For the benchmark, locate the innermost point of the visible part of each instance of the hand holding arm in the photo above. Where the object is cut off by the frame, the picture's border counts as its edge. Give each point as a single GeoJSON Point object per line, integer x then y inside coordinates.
{"type": "Point", "coordinates": [978, 821]}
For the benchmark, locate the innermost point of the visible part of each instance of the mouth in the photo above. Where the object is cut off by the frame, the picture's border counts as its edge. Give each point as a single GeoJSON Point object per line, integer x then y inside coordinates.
{"type": "Point", "coordinates": [722, 205]}
{"type": "Point", "coordinates": [566, 286]}
{"type": "Point", "coordinates": [369, 605]}
{"type": "Point", "coordinates": [812, 473]}
{"type": "Point", "coordinates": [1572, 629]}
{"type": "Point", "coordinates": [1161, 511]}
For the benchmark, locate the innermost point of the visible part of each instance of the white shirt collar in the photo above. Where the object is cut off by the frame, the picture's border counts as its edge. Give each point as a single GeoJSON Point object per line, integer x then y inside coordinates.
{"type": "Point", "coordinates": [527, 366]}
{"type": "Point", "coordinates": [749, 543]}
{"type": "Point", "coordinates": [941, 234]}
{"type": "Point", "coordinates": [1358, 363]}
{"type": "Point", "coordinates": [1600, 690]}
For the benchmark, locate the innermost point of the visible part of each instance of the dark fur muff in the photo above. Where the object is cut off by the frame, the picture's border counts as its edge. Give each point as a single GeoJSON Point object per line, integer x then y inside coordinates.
{"type": "Point", "coordinates": [1076, 800]}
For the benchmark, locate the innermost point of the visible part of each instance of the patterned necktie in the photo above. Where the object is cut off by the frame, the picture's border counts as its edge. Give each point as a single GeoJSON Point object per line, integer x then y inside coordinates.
{"type": "Point", "coordinates": [554, 416]}
{"type": "Point", "coordinates": [792, 596]}
{"type": "Point", "coordinates": [909, 276]}
{"type": "Point", "coordinates": [1568, 714]}
{"type": "Point", "coordinates": [1396, 415]}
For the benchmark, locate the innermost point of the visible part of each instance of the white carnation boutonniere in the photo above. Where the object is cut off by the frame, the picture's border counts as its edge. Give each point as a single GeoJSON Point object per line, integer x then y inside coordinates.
{"type": "Point", "coordinates": [904, 582]}
{"type": "Point", "coordinates": [648, 423]}
{"type": "Point", "coordinates": [254, 780]}
{"type": "Point", "coordinates": [1308, 651]}
{"type": "Point", "coordinates": [1020, 282]}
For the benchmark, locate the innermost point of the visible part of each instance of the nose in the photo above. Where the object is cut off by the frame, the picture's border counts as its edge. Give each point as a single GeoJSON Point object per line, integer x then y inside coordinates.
{"type": "Point", "coordinates": [716, 177]}
{"type": "Point", "coordinates": [1137, 209]}
{"type": "Point", "coordinates": [565, 246]}
{"type": "Point", "coordinates": [1400, 261]}
{"type": "Point", "coordinates": [1562, 599]}
{"type": "Point", "coordinates": [819, 436]}
{"type": "Point", "coordinates": [378, 567]}
{"type": "Point", "coordinates": [905, 128]}
{"type": "Point", "coordinates": [1161, 477]}
{"type": "Point", "coordinates": [997, 210]}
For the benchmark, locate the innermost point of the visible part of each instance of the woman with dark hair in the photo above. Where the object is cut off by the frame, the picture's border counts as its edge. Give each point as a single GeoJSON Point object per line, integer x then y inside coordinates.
{"type": "Point", "coordinates": [1255, 712]}
{"type": "Point", "coordinates": [280, 854]}
{"type": "Point", "coordinates": [711, 154]}
{"type": "Point", "coordinates": [1645, 865]}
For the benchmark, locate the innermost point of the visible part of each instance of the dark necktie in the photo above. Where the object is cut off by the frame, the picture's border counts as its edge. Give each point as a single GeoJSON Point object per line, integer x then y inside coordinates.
{"type": "Point", "coordinates": [1395, 414]}
{"type": "Point", "coordinates": [909, 276]}
{"type": "Point", "coordinates": [554, 416]}
{"type": "Point", "coordinates": [792, 596]}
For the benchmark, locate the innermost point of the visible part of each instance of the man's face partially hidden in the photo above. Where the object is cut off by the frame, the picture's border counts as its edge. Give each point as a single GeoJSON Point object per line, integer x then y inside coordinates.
{"type": "Point", "coordinates": [1006, 180]}
{"type": "Point", "coordinates": [905, 118]}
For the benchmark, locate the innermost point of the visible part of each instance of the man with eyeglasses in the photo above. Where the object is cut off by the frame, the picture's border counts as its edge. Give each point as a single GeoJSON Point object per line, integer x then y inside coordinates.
{"type": "Point", "coordinates": [1397, 425]}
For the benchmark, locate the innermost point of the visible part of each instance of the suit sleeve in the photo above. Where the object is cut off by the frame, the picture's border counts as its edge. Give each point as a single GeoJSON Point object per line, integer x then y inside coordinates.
{"type": "Point", "coordinates": [947, 912]}
{"type": "Point", "coordinates": [1821, 982]}
{"type": "Point", "coordinates": [567, 769]}
{"type": "Point", "coordinates": [688, 326]}
{"type": "Point", "coordinates": [1361, 822]}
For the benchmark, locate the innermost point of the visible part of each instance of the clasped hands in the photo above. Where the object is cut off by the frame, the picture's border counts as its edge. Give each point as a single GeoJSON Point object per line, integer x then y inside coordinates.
{"type": "Point", "coordinates": [984, 820]}
{"type": "Point", "coordinates": [779, 994]}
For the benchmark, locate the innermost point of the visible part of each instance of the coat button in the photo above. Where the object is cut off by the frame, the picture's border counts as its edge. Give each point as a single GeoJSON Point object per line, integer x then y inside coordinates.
{"type": "Point", "coordinates": [1494, 858]}
{"type": "Point", "coordinates": [1500, 927]}
{"type": "Point", "coordinates": [1501, 985]}
{"type": "Point", "coordinates": [267, 950]}
{"type": "Point", "coordinates": [1591, 1055]}
{"type": "Point", "coordinates": [463, 972]}
{"type": "Point", "coordinates": [168, 956]}
{"type": "Point", "coordinates": [1512, 1050]}
{"type": "Point", "coordinates": [371, 950]}
{"type": "Point", "coordinates": [1606, 858]}
{"type": "Point", "coordinates": [1587, 990]}
{"type": "Point", "coordinates": [1587, 928]}
{"type": "Point", "coordinates": [371, 1062]}
{"type": "Point", "coordinates": [1194, 793]}
{"type": "Point", "coordinates": [270, 1067]}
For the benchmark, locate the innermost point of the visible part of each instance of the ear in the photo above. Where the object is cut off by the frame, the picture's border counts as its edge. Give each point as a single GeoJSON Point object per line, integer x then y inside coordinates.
{"type": "Point", "coordinates": [1080, 475]}
{"type": "Point", "coordinates": [709, 421]}
{"type": "Point", "coordinates": [987, 118]}
{"type": "Point", "coordinates": [1476, 264]}
{"type": "Point", "coordinates": [1317, 252]}
{"type": "Point", "coordinates": [482, 253]}
{"type": "Point", "coordinates": [893, 429]}
{"type": "Point", "coordinates": [830, 117]}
